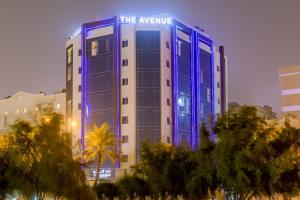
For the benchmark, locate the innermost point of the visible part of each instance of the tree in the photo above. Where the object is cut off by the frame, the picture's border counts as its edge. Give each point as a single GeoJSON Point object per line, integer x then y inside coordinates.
{"type": "Point", "coordinates": [166, 168]}
{"type": "Point", "coordinates": [107, 190]}
{"type": "Point", "coordinates": [41, 162]}
{"type": "Point", "coordinates": [203, 180]}
{"type": "Point", "coordinates": [100, 145]}
{"type": "Point", "coordinates": [251, 160]}
{"type": "Point", "coordinates": [132, 186]}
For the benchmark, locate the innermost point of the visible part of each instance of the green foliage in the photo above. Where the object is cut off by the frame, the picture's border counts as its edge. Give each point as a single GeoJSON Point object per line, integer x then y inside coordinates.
{"type": "Point", "coordinates": [41, 162]}
{"type": "Point", "coordinates": [132, 186]}
{"type": "Point", "coordinates": [166, 168]}
{"type": "Point", "coordinates": [107, 190]}
{"type": "Point", "coordinates": [203, 180]}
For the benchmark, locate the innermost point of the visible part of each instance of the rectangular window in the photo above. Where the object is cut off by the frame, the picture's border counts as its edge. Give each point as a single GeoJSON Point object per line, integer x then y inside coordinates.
{"type": "Point", "coordinates": [69, 73]}
{"type": "Point", "coordinates": [69, 106]}
{"type": "Point", "coordinates": [125, 43]}
{"type": "Point", "coordinates": [125, 139]}
{"type": "Point", "coordinates": [79, 52]}
{"type": "Point", "coordinates": [124, 120]}
{"type": "Point", "coordinates": [168, 121]}
{"type": "Point", "coordinates": [69, 55]}
{"type": "Point", "coordinates": [79, 70]}
{"type": "Point", "coordinates": [79, 106]}
{"type": "Point", "coordinates": [218, 100]}
{"type": "Point", "coordinates": [125, 100]}
{"type": "Point", "coordinates": [94, 48]}
{"type": "Point", "coordinates": [125, 81]}
{"type": "Point", "coordinates": [179, 43]}
{"type": "Point", "coordinates": [208, 95]}
{"type": "Point", "coordinates": [124, 158]}
{"type": "Point", "coordinates": [167, 45]}
{"type": "Point", "coordinates": [125, 62]}
{"type": "Point", "coordinates": [168, 63]}
{"type": "Point", "coordinates": [218, 68]}
{"type": "Point", "coordinates": [107, 45]}
{"type": "Point", "coordinates": [168, 140]}
{"type": "Point", "coordinates": [218, 84]}
{"type": "Point", "coordinates": [79, 88]}
{"type": "Point", "coordinates": [168, 102]}
{"type": "Point", "coordinates": [168, 83]}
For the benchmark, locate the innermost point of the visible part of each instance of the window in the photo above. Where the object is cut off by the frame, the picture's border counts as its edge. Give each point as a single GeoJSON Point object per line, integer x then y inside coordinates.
{"type": "Point", "coordinates": [94, 48]}
{"type": "Point", "coordinates": [125, 43]}
{"type": "Point", "coordinates": [125, 81]}
{"type": "Point", "coordinates": [168, 63]}
{"type": "Point", "coordinates": [167, 45]}
{"type": "Point", "coordinates": [79, 88]}
{"type": "Point", "coordinates": [125, 139]}
{"type": "Point", "coordinates": [69, 73]}
{"type": "Point", "coordinates": [79, 52]}
{"type": "Point", "coordinates": [168, 140]}
{"type": "Point", "coordinates": [124, 120]}
{"type": "Point", "coordinates": [168, 83]}
{"type": "Point", "coordinates": [69, 55]}
{"type": "Point", "coordinates": [5, 119]}
{"type": "Point", "coordinates": [79, 106]}
{"type": "Point", "coordinates": [69, 106]}
{"type": "Point", "coordinates": [179, 43]}
{"type": "Point", "coordinates": [125, 100]}
{"type": "Point", "coordinates": [218, 68]}
{"type": "Point", "coordinates": [168, 102]}
{"type": "Point", "coordinates": [79, 70]}
{"type": "Point", "coordinates": [107, 45]}
{"type": "Point", "coordinates": [125, 62]}
{"type": "Point", "coordinates": [218, 100]}
{"type": "Point", "coordinates": [124, 158]}
{"type": "Point", "coordinates": [208, 95]}
{"type": "Point", "coordinates": [218, 84]}
{"type": "Point", "coordinates": [168, 121]}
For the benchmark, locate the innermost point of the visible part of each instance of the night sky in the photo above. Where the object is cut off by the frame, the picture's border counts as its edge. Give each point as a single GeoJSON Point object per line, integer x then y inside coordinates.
{"type": "Point", "coordinates": [259, 36]}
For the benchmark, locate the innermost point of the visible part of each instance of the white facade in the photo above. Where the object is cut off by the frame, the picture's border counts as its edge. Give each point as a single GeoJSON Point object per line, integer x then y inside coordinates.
{"type": "Point", "coordinates": [25, 106]}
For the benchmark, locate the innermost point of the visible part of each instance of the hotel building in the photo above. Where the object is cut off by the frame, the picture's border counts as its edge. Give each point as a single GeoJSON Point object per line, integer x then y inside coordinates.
{"type": "Point", "coordinates": [289, 78]}
{"type": "Point", "coordinates": [151, 79]}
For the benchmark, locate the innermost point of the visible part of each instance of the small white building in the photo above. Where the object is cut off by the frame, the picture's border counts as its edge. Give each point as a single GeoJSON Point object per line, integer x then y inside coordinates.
{"type": "Point", "coordinates": [25, 106]}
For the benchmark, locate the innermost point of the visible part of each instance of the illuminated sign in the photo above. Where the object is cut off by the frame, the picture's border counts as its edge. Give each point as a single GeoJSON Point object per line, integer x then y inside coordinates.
{"type": "Point", "coordinates": [145, 20]}
{"type": "Point", "coordinates": [104, 173]}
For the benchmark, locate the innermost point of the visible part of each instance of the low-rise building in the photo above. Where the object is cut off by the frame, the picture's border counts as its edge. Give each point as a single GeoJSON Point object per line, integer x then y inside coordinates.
{"type": "Point", "coordinates": [25, 106]}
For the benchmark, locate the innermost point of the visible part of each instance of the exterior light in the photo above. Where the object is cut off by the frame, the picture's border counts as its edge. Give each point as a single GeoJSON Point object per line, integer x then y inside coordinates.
{"type": "Point", "coordinates": [73, 124]}
{"type": "Point", "coordinates": [5, 113]}
{"type": "Point", "coordinates": [47, 119]}
{"type": "Point", "coordinates": [17, 111]}
{"type": "Point", "coordinates": [25, 110]}
{"type": "Point", "coordinates": [58, 106]}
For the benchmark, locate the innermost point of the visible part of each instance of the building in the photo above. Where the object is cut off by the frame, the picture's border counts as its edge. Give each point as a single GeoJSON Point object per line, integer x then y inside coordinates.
{"type": "Point", "coordinates": [151, 78]}
{"type": "Point", "coordinates": [265, 111]}
{"type": "Point", "coordinates": [289, 78]}
{"type": "Point", "coordinates": [25, 106]}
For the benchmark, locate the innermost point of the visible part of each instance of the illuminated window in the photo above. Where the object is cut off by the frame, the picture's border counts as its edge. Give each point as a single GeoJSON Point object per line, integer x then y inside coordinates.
{"type": "Point", "coordinates": [94, 48]}
{"type": "Point", "coordinates": [125, 43]}
{"type": "Point", "coordinates": [69, 73]}
{"type": "Point", "coordinates": [124, 120]}
{"type": "Point", "coordinates": [69, 55]}
{"type": "Point", "coordinates": [125, 139]}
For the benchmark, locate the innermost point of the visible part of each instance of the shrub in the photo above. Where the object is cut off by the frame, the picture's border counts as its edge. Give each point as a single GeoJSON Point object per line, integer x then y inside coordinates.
{"type": "Point", "coordinates": [107, 190]}
{"type": "Point", "coordinates": [131, 186]}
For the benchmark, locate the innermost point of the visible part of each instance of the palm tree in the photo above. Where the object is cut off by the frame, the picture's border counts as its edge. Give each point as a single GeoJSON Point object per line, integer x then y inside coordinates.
{"type": "Point", "coordinates": [100, 145]}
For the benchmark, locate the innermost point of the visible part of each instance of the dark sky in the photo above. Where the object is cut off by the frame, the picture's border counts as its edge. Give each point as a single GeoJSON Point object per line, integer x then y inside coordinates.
{"type": "Point", "coordinates": [259, 36]}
